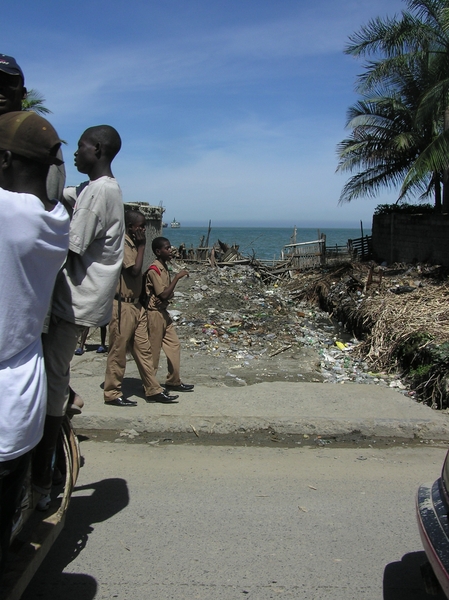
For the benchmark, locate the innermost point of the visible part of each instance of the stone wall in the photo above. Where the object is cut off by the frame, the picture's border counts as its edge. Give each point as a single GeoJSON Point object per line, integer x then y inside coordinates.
{"type": "Point", "coordinates": [153, 216]}
{"type": "Point", "coordinates": [411, 238]}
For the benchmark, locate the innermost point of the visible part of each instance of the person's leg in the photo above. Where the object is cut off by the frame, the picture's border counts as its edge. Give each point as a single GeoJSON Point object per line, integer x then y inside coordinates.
{"type": "Point", "coordinates": [83, 338]}
{"type": "Point", "coordinates": [119, 336]}
{"type": "Point", "coordinates": [12, 477]}
{"type": "Point", "coordinates": [59, 344]}
{"type": "Point", "coordinates": [102, 347]}
{"type": "Point", "coordinates": [156, 330]}
{"type": "Point", "coordinates": [141, 352]}
{"type": "Point", "coordinates": [172, 349]}
{"type": "Point", "coordinates": [76, 403]}
{"type": "Point", "coordinates": [43, 460]}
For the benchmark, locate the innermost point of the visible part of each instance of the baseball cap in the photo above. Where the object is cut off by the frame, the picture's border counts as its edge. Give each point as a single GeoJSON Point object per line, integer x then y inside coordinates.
{"type": "Point", "coordinates": [30, 135]}
{"type": "Point", "coordinates": [9, 65]}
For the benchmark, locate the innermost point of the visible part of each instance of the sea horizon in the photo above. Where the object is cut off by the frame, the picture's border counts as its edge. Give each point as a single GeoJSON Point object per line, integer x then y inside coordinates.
{"type": "Point", "coordinates": [264, 242]}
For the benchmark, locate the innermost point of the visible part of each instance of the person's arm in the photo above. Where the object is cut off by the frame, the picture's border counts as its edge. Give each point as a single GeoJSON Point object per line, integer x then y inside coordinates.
{"type": "Point", "coordinates": [168, 292]}
{"type": "Point", "coordinates": [139, 240]}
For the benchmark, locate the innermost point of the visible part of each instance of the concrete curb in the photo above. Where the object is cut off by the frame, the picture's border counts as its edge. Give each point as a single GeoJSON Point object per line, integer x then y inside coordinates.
{"type": "Point", "coordinates": [287, 408]}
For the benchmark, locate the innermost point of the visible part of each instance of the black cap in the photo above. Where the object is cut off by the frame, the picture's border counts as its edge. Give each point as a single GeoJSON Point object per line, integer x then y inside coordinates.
{"type": "Point", "coordinates": [9, 65]}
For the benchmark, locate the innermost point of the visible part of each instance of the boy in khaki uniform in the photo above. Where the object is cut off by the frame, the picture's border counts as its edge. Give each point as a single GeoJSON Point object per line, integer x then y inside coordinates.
{"type": "Point", "coordinates": [128, 326]}
{"type": "Point", "coordinates": [159, 291]}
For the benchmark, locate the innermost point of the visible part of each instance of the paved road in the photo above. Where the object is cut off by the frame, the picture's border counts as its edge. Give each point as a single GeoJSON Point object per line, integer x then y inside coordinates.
{"type": "Point", "coordinates": [186, 522]}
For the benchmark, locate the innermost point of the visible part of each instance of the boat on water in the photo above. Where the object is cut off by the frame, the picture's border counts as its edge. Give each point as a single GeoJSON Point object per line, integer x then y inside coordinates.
{"type": "Point", "coordinates": [175, 224]}
{"type": "Point", "coordinates": [164, 225]}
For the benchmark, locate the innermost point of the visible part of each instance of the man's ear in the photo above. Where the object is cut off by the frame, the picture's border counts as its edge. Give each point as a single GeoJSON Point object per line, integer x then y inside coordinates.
{"type": "Point", "coordinates": [98, 149]}
{"type": "Point", "coordinates": [24, 92]}
{"type": "Point", "coordinates": [5, 160]}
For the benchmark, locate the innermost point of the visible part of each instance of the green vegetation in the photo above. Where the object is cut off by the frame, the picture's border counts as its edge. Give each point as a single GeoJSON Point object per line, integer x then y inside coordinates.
{"type": "Point", "coordinates": [427, 368]}
{"type": "Point", "coordinates": [399, 130]}
{"type": "Point", "coordinates": [409, 209]}
{"type": "Point", "coordinates": [35, 101]}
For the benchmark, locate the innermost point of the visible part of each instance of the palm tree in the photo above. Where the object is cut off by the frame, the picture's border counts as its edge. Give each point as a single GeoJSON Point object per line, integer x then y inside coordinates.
{"type": "Point", "coordinates": [35, 101]}
{"type": "Point", "coordinates": [408, 52]}
{"type": "Point", "coordinates": [386, 140]}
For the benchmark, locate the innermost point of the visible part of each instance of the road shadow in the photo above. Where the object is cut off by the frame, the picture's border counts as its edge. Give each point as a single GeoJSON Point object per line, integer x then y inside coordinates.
{"type": "Point", "coordinates": [402, 579]}
{"type": "Point", "coordinates": [107, 498]}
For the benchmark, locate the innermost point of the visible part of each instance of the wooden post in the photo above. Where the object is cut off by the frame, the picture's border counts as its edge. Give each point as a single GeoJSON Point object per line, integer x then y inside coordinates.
{"type": "Point", "coordinates": [208, 234]}
{"type": "Point", "coordinates": [323, 249]}
{"type": "Point", "coordinates": [363, 246]}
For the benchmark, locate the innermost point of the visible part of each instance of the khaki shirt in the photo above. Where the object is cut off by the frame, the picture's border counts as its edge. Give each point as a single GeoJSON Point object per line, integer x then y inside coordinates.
{"type": "Point", "coordinates": [155, 284]}
{"type": "Point", "coordinates": [129, 286]}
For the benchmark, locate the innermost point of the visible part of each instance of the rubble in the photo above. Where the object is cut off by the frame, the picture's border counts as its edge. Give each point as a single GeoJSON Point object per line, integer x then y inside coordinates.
{"type": "Point", "coordinates": [238, 331]}
{"type": "Point", "coordinates": [337, 324]}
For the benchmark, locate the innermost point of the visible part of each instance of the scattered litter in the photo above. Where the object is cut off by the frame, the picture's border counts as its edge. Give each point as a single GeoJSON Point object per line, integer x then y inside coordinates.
{"type": "Point", "coordinates": [283, 349]}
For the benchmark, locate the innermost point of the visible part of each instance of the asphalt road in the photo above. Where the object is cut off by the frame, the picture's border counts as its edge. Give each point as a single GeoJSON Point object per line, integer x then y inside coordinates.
{"type": "Point", "coordinates": [186, 522]}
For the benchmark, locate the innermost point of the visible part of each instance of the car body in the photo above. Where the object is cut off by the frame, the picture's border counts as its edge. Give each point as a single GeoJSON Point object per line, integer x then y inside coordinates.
{"type": "Point", "coordinates": [432, 508]}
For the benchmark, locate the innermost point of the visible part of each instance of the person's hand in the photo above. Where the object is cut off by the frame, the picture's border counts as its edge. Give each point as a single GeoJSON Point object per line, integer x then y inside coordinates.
{"type": "Point", "coordinates": [140, 237]}
{"type": "Point", "coordinates": [183, 273]}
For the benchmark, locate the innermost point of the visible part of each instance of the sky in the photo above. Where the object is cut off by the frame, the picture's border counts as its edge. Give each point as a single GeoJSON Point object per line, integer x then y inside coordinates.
{"type": "Point", "coordinates": [228, 111]}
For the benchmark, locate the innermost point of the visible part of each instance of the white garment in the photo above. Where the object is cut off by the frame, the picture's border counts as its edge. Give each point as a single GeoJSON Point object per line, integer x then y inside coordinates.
{"type": "Point", "coordinates": [33, 246]}
{"type": "Point", "coordinates": [85, 288]}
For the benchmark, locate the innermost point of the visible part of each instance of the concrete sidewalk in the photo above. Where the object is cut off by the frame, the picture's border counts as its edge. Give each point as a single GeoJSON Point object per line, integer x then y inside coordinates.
{"type": "Point", "coordinates": [288, 408]}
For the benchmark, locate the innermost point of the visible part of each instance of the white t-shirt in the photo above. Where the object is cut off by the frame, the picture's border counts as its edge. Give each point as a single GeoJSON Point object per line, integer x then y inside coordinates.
{"type": "Point", "coordinates": [33, 247]}
{"type": "Point", "coordinates": [86, 285]}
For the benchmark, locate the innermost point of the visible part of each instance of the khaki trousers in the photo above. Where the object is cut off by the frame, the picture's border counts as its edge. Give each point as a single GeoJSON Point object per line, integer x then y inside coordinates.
{"type": "Point", "coordinates": [132, 335]}
{"type": "Point", "coordinates": [163, 336]}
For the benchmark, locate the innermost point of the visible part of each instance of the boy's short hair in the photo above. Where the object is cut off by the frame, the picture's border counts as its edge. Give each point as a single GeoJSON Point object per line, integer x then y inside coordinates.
{"type": "Point", "coordinates": [158, 242]}
{"type": "Point", "coordinates": [109, 138]}
{"type": "Point", "coordinates": [131, 216]}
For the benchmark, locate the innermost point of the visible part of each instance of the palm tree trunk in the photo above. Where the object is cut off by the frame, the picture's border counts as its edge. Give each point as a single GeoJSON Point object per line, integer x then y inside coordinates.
{"type": "Point", "coordinates": [445, 207]}
{"type": "Point", "coordinates": [437, 187]}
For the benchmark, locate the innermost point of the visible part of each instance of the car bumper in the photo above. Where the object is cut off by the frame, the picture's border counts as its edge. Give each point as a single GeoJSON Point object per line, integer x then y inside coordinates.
{"type": "Point", "coordinates": [433, 524]}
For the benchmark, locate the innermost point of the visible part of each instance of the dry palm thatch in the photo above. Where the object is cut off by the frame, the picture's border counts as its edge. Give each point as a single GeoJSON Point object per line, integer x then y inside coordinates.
{"type": "Point", "coordinates": [397, 318]}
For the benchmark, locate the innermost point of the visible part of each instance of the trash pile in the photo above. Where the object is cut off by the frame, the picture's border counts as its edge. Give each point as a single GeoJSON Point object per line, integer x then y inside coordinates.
{"type": "Point", "coordinates": [235, 330]}
{"type": "Point", "coordinates": [400, 312]}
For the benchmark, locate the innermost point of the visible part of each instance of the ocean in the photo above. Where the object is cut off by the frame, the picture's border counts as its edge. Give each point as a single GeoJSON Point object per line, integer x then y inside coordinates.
{"type": "Point", "coordinates": [266, 242]}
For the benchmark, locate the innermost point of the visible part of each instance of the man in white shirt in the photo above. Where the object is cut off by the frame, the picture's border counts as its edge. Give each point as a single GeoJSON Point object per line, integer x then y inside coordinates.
{"type": "Point", "coordinates": [85, 287]}
{"type": "Point", "coordinates": [33, 246]}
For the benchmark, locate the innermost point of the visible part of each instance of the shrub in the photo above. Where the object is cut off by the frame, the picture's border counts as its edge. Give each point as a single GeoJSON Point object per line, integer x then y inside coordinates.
{"type": "Point", "coordinates": [409, 209]}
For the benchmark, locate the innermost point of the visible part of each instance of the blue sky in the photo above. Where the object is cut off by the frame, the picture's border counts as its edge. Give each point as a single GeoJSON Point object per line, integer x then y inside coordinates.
{"type": "Point", "coordinates": [228, 110]}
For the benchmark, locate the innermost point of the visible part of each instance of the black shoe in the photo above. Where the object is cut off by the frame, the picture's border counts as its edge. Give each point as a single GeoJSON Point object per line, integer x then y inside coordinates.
{"type": "Point", "coordinates": [122, 402]}
{"type": "Point", "coordinates": [163, 397]}
{"type": "Point", "coordinates": [182, 387]}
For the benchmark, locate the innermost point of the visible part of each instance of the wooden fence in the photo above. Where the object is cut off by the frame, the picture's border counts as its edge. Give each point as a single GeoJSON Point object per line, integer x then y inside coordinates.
{"type": "Point", "coordinates": [361, 247]}
{"type": "Point", "coordinates": [306, 255]}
